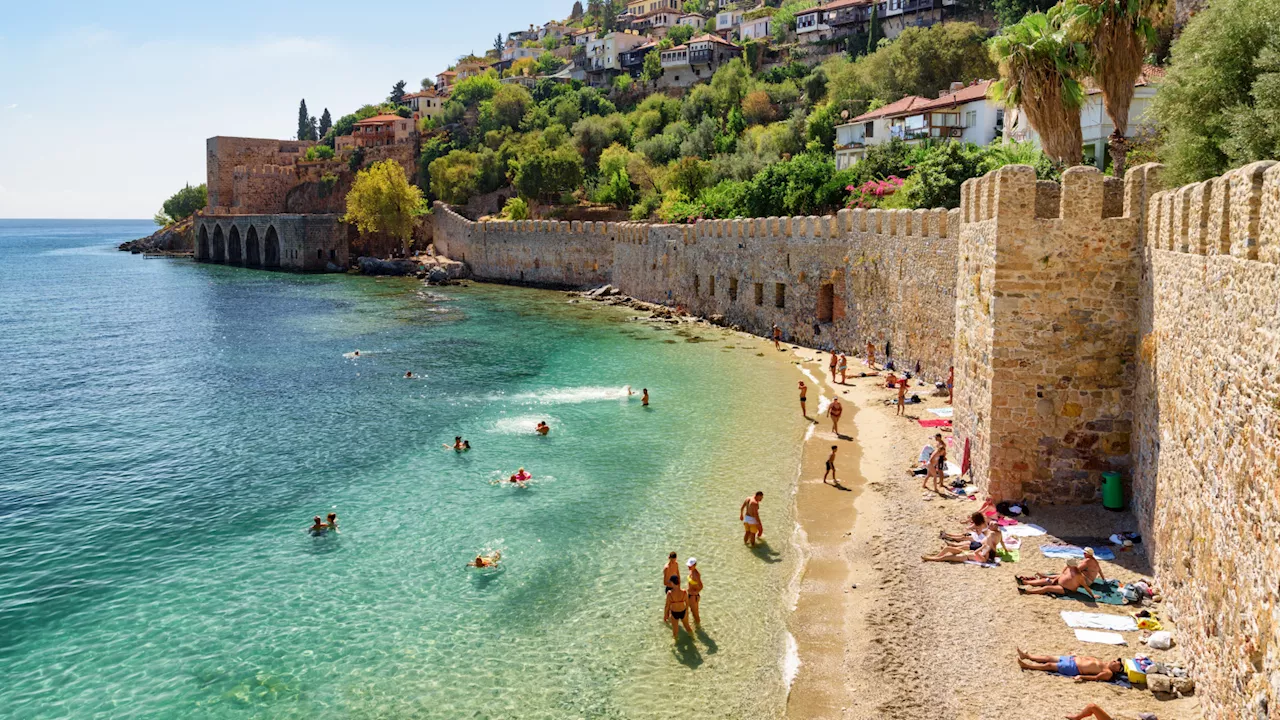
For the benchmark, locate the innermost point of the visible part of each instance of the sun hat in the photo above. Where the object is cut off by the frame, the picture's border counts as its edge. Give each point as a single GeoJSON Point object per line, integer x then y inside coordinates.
{"type": "Point", "coordinates": [692, 562]}
{"type": "Point", "coordinates": [1088, 552]}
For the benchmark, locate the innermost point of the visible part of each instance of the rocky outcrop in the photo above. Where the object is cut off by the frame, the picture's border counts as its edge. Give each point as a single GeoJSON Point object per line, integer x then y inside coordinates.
{"type": "Point", "coordinates": [174, 239]}
{"type": "Point", "coordinates": [435, 269]}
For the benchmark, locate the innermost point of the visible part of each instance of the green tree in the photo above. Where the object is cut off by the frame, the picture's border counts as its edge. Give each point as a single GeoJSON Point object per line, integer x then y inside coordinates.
{"type": "Point", "coordinates": [549, 173]}
{"type": "Point", "coordinates": [576, 13]}
{"type": "Point", "coordinates": [935, 181]}
{"type": "Point", "coordinates": [498, 44]}
{"type": "Point", "coordinates": [319, 152]}
{"type": "Point", "coordinates": [326, 122]}
{"type": "Point", "coordinates": [594, 133]}
{"type": "Point", "coordinates": [382, 201]}
{"type": "Point", "coordinates": [1038, 71]}
{"type": "Point", "coordinates": [1219, 104]}
{"type": "Point", "coordinates": [397, 93]}
{"type": "Point", "coordinates": [433, 148]}
{"type": "Point", "coordinates": [1119, 34]}
{"type": "Point", "coordinates": [549, 64]}
{"type": "Point", "coordinates": [462, 174]}
{"type": "Point", "coordinates": [815, 86]}
{"type": "Point", "coordinates": [506, 108]}
{"type": "Point", "coordinates": [304, 122]}
{"type": "Point", "coordinates": [652, 68]}
{"type": "Point", "coordinates": [182, 204]}
{"type": "Point", "coordinates": [470, 92]}
{"type": "Point", "coordinates": [1010, 12]}
{"type": "Point", "coordinates": [515, 209]}
{"type": "Point", "coordinates": [922, 61]}
{"type": "Point", "coordinates": [874, 32]}
{"type": "Point", "coordinates": [688, 176]}
{"type": "Point", "coordinates": [680, 34]}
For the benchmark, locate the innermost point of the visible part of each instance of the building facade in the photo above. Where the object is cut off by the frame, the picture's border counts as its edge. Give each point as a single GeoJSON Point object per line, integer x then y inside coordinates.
{"type": "Point", "coordinates": [963, 113]}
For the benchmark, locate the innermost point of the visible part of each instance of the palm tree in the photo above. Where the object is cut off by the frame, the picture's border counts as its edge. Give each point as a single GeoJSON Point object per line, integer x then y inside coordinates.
{"type": "Point", "coordinates": [1119, 34]}
{"type": "Point", "coordinates": [1038, 71]}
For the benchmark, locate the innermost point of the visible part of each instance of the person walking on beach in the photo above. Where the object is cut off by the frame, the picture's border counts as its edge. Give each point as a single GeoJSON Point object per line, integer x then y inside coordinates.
{"type": "Point", "coordinates": [835, 360]}
{"type": "Point", "coordinates": [871, 354]}
{"type": "Point", "coordinates": [644, 398]}
{"type": "Point", "coordinates": [676, 609]}
{"type": "Point", "coordinates": [834, 411]}
{"type": "Point", "coordinates": [902, 397]}
{"type": "Point", "coordinates": [777, 337]}
{"type": "Point", "coordinates": [695, 589]}
{"type": "Point", "coordinates": [843, 367]}
{"type": "Point", "coordinates": [951, 383]}
{"type": "Point", "coordinates": [831, 467]}
{"type": "Point", "coordinates": [749, 514]}
{"type": "Point", "coordinates": [937, 462]}
{"type": "Point", "coordinates": [804, 395]}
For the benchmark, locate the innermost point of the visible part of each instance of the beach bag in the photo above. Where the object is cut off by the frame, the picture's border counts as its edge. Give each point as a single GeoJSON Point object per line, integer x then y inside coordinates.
{"type": "Point", "coordinates": [1135, 673]}
{"type": "Point", "coordinates": [1162, 640]}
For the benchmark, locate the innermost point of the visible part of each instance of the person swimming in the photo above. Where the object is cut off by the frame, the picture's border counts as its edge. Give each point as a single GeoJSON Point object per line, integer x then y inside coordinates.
{"type": "Point", "coordinates": [408, 375]}
{"type": "Point", "coordinates": [333, 522]}
{"type": "Point", "coordinates": [543, 428]}
{"type": "Point", "coordinates": [318, 527]}
{"type": "Point", "coordinates": [520, 477]}
{"type": "Point", "coordinates": [458, 444]}
{"type": "Point", "coordinates": [486, 561]}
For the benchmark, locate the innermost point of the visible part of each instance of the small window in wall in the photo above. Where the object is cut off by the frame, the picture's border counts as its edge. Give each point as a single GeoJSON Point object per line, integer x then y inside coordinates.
{"type": "Point", "coordinates": [826, 302]}
{"type": "Point", "coordinates": [869, 130]}
{"type": "Point", "coordinates": [779, 295]}
{"type": "Point", "coordinates": [319, 254]}
{"type": "Point", "coordinates": [333, 254]}
{"type": "Point", "coordinates": [697, 285]}
{"type": "Point", "coordinates": [759, 290]}
{"type": "Point", "coordinates": [733, 289]}
{"type": "Point", "coordinates": [711, 286]}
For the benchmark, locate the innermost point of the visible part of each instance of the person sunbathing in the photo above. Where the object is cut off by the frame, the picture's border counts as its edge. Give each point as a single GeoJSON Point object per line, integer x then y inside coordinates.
{"type": "Point", "coordinates": [1069, 580]}
{"type": "Point", "coordinates": [984, 553]}
{"type": "Point", "coordinates": [1081, 667]}
{"type": "Point", "coordinates": [1093, 711]}
{"type": "Point", "coordinates": [977, 525]}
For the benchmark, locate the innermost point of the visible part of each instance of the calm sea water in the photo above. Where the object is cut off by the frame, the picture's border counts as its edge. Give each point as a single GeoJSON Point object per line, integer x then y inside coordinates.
{"type": "Point", "coordinates": [168, 429]}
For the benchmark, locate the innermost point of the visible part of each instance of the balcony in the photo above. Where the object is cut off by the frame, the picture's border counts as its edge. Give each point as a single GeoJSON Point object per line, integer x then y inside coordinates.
{"type": "Point", "coordinates": [700, 57]}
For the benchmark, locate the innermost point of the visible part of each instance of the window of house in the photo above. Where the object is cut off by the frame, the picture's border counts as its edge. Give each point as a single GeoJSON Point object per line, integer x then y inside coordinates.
{"type": "Point", "coordinates": [759, 290]}
{"type": "Point", "coordinates": [869, 130]}
{"type": "Point", "coordinates": [971, 118]}
{"type": "Point", "coordinates": [733, 289]}
{"type": "Point", "coordinates": [779, 295]}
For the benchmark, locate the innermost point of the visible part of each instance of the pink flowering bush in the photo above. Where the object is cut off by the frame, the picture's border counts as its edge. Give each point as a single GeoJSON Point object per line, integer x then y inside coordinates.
{"type": "Point", "coordinates": [872, 192]}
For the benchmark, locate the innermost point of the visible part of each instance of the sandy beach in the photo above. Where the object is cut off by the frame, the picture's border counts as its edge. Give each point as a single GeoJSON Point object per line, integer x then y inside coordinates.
{"type": "Point", "coordinates": [882, 634]}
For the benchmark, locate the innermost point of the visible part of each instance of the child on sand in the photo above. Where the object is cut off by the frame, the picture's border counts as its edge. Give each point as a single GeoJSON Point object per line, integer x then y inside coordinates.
{"type": "Point", "coordinates": [831, 467]}
{"type": "Point", "coordinates": [902, 397]}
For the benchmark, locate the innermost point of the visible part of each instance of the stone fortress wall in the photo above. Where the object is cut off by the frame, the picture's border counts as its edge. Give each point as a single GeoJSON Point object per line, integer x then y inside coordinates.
{"type": "Point", "coordinates": [1094, 325]}
{"type": "Point", "coordinates": [303, 243]}
{"type": "Point", "coordinates": [1206, 481]}
{"type": "Point", "coordinates": [248, 176]}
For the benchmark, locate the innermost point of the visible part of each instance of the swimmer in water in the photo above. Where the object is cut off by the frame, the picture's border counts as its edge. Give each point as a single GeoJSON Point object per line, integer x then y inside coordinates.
{"type": "Point", "coordinates": [485, 561]}
{"type": "Point", "coordinates": [543, 428]}
{"type": "Point", "coordinates": [356, 353]}
{"type": "Point", "coordinates": [408, 375]}
{"type": "Point", "coordinates": [630, 392]}
{"type": "Point", "coordinates": [458, 444]}
{"type": "Point", "coordinates": [644, 399]}
{"type": "Point", "coordinates": [466, 445]}
{"type": "Point", "coordinates": [318, 527]}
{"type": "Point", "coordinates": [333, 522]}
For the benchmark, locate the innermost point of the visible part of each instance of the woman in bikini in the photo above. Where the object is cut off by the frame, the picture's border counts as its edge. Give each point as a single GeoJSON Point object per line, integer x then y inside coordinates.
{"type": "Point", "coordinates": [843, 367]}
{"type": "Point", "coordinates": [677, 608]}
{"type": "Point", "coordinates": [834, 411]}
{"type": "Point", "coordinates": [695, 589]}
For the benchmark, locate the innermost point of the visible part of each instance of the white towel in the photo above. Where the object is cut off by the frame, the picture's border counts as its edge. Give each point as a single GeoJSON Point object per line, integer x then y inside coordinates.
{"type": "Point", "coordinates": [1098, 621]}
{"type": "Point", "coordinates": [953, 470]}
{"type": "Point", "coordinates": [1095, 636]}
{"type": "Point", "coordinates": [943, 412]}
{"type": "Point", "coordinates": [1027, 530]}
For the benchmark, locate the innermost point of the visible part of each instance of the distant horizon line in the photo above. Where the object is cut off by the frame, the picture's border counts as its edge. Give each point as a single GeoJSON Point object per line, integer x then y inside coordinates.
{"type": "Point", "coordinates": [28, 219]}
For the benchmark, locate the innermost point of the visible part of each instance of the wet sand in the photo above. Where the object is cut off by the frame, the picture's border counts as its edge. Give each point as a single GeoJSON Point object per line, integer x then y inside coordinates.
{"type": "Point", "coordinates": [883, 635]}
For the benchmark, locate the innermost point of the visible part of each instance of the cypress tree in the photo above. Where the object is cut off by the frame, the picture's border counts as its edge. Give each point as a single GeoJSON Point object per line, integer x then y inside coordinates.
{"type": "Point", "coordinates": [326, 122]}
{"type": "Point", "coordinates": [304, 121]}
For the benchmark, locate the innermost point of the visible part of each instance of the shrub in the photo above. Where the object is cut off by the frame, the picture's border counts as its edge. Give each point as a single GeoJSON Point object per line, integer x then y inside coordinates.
{"type": "Point", "coordinates": [182, 204]}
{"type": "Point", "coordinates": [462, 174]}
{"type": "Point", "coordinates": [319, 152]}
{"type": "Point", "coordinates": [549, 173]}
{"type": "Point", "coordinates": [757, 108]}
{"type": "Point", "coordinates": [515, 209]}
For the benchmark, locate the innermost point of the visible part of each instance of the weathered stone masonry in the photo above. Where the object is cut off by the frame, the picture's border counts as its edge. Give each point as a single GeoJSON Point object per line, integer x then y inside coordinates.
{"type": "Point", "coordinates": [1094, 325]}
{"type": "Point", "coordinates": [304, 243]}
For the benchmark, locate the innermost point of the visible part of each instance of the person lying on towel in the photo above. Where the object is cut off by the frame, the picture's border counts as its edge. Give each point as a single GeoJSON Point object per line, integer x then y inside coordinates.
{"type": "Point", "coordinates": [1072, 578]}
{"type": "Point", "coordinates": [1081, 667]}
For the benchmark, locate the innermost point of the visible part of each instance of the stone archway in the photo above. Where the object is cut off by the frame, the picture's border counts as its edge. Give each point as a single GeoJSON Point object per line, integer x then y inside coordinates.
{"type": "Point", "coordinates": [252, 251]}
{"type": "Point", "coordinates": [271, 249]}
{"type": "Point", "coordinates": [219, 245]}
{"type": "Point", "coordinates": [202, 249]}
{"type": "Point", "coordinates": [234, 254]}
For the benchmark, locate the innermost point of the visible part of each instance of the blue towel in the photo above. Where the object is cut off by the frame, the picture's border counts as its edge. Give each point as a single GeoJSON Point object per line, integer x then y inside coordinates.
{"type": "Point", "coordinates": [1075, 551]}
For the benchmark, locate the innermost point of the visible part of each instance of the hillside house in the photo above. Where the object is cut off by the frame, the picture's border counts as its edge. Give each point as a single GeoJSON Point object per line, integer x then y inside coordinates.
{"type": "Point", "coordinates": [632, 61]}
{"type": "Point", "coordinates": [962, 113]}
{"type": "Point", "coordinates": [445, 81]}
{"type": "Point", "coordinates": [377, 130]}
{"type": "Point", "coordinates": [426, 103]}
{"type": "Point", "coordinates": [696, 60]}
{"type": "Point", "coordinates": [727, 21]}
{"type": "Point", "coordinates": [693, 20]}
{"type": "Point", "coordinates": [656, 23]}
{"type": "Point", "coordinates": [810, 26]}
{"type": "Point", "coordinates": [761, 27]}
{"type": "Point", "coordinates": [602, 61]}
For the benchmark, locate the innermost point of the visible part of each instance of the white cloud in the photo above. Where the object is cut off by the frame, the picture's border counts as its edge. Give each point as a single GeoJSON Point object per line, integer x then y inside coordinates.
{"type": "Point", "coordinates": [11, 106]}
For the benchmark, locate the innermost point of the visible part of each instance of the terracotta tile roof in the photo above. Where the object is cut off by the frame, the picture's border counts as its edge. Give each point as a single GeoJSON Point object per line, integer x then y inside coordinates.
{"type": "Point", "coordinates": [428, 93]}
{"type": "Point", "coordinates": [446, 72]}
{"type": "Point", "coordinates": [380, 120]}
{"type": "Point", "coordinates": [1150, 75]}
{"type": "Point", "coordinates": [966, 94]}
{"type": "Point", "coordinates": [838, 4]}
{"type": "Point", "coordinates": [711, 38]}
{"type": "Point", "coordinates": [894, 108]}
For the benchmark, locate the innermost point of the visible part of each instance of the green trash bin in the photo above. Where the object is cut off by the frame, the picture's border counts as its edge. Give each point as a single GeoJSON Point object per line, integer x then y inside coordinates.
{"type": "Point", "coordinates": [1112, 491]}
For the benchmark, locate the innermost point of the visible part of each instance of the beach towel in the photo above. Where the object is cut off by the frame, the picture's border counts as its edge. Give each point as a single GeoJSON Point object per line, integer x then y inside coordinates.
{"type": "Point", "coordinates": [1097, 636]}
{"type": "Point", "coordinates": [1013, 554]}
{"type": "Point", "coordinates": [1098, 621]}
{"type": "Point", "coordinates": [1075, 551]}
{"type": "Point", "coordinates": [982, 564]}
{"type": "Point", "coordinates": [1119, 680]}
{"type": "Point", "coordinates": [934, 423]}
{"type": "Point", "coordinates": [943, 412]}
{"type": "Point", "coordinates": [1027, 530]}
{"type": "Point", "coordinates": [1103, 593]}
{"type": "Point", "coordinates": [952, 470]}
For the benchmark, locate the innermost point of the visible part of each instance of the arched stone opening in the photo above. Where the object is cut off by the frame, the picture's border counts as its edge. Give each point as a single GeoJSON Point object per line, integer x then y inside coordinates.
{"type": "Point", "coordinates": [234, 255]}
{"type": "Point", "coordinates": [219, 245]}
{"type": "Point", "coordinates": [826, 302]}
{"type": "Point", "coordinates": [252, 251]}
{"type": "Point", "coordinates": [271, 249]}
{"type": "Point", "coordinates": [202, 249]}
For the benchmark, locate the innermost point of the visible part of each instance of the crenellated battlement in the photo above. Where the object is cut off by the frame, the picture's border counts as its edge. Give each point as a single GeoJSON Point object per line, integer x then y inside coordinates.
{"type": "Point", "coordinates": [283, 172]}
{"type": "Point", "coordinates": [1236, 214]}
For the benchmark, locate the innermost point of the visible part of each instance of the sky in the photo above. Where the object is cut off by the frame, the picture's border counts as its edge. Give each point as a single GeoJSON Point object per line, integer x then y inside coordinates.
{"type": "Point", "coordinates": [105, 106]}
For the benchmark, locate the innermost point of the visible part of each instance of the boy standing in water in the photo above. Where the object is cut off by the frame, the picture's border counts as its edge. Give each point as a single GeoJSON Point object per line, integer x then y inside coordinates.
{"type": "Point", "coordinates": [831, 467]}
{"type": "Point", "coordinates": [749, 514]}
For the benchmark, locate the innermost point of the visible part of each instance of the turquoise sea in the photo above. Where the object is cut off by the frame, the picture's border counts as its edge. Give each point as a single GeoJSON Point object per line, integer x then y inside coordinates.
{"type": "Point", "coordinates": [168, 429]}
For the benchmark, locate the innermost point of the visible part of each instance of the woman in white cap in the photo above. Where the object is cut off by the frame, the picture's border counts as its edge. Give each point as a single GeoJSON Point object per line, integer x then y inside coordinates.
{"type": "Point", "coordinates": [695, 589]}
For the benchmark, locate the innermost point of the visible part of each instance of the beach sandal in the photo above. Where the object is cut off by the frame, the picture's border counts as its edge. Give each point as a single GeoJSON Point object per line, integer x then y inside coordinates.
{"type": "Point", "coordinates": [1020, 580]}
{"type": "Point", "coordinates": [1022, 590]}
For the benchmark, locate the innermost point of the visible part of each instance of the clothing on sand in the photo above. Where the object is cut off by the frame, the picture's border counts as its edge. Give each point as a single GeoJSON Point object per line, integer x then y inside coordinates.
{"type": "Point", "coordinates": [1105, 592]}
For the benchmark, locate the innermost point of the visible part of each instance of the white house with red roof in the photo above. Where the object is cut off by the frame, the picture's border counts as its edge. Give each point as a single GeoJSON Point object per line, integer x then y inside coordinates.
{"type": "Point", "coordinates": [696, 60]}
{"type": "Point", "coordinates": [962, 113]}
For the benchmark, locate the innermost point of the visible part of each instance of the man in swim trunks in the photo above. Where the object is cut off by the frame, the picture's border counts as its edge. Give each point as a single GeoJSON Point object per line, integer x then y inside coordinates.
{"type": "Point", "coordinates": [676, 609]}
{"type": "Point", "coordinates": [749, 514]}
{"type": "Point", "coordinates": [777, 337]}
{"type": "Point", "coordinates": [318, 527]}
{"type": "Point", "coordinates": [831, 467]}
{"type": "Point", "coordinates": [1069, 580]}
{"type": "Point", "coordinates": [1081, 667]}
{"type": "Point", "coordinates": [804, 395]}
{"type": "Point", "coordinates": [644, 398]}
{"type": "Point", "coordinates": [835, 360]}
{"type": "Point", "coordinates": [834, 411]}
